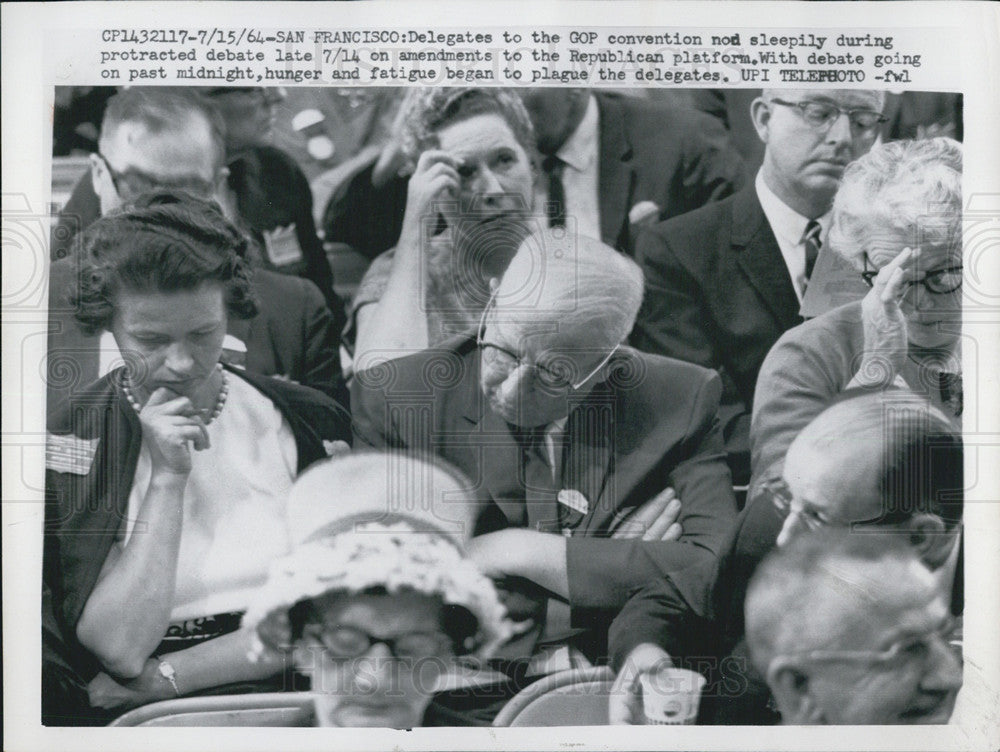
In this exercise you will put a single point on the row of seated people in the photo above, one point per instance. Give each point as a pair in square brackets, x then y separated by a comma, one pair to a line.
[596, 469]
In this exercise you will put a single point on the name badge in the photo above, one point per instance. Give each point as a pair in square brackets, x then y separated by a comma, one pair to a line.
[282, 246]
[574, 500]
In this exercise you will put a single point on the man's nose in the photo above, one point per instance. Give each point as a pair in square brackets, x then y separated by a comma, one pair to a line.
[944, 672]
[793, 523]
[840, 131]
[518, 384]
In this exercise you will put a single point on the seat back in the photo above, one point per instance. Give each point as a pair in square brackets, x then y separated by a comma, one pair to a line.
[265, 709]
[578, 697]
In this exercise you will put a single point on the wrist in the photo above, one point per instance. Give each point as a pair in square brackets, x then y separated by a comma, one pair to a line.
[166, 676]
[164, 479]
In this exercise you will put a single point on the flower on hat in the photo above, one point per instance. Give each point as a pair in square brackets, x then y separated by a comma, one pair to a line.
[391, 556]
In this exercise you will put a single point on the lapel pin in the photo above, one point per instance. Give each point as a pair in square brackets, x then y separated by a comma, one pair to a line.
[574, 500]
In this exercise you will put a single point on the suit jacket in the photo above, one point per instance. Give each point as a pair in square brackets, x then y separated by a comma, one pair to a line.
[676, 157]
[718, 294]
[805, 371]
[707, 621]
[292, 336]
[651, 425]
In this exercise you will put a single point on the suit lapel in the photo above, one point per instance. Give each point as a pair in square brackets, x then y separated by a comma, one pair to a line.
[759, 257]
[589, 456]
[615, 174]
[499, 455]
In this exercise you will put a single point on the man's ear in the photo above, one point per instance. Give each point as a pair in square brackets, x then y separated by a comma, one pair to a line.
[760, 114]
[927, 536]
[790, 687]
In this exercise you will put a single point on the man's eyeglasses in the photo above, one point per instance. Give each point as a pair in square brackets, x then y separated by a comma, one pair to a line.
[255, 95]
[131, 183]
[345, 643]
[814, 519]
[822, 115]
[781, 497]
[556, 375]
[909, 648]
[937, 282]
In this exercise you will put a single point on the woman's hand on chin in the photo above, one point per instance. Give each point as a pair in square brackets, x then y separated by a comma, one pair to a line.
[169, 423]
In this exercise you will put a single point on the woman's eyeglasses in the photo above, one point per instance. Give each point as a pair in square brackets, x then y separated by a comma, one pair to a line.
[937, 282]
[345, 643]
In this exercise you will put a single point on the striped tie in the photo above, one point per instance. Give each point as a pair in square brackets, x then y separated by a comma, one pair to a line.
[812, 243]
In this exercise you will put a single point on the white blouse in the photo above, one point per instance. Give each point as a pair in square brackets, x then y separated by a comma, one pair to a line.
[235, 505]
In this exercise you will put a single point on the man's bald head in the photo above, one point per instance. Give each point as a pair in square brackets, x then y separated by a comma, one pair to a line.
[157, 138]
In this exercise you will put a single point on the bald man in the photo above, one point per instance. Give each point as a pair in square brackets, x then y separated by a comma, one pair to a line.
[596, 467]
[900, 475]
[852, 629]
[725, 281]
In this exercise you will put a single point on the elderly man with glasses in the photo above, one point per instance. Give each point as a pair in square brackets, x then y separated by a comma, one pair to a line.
[851, 629]
[596, 467]
[897, 220]
[724, 282]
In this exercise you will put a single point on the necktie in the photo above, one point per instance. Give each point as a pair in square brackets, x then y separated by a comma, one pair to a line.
[950, 386]
[539, 488]
[812, 243]
[555, 208]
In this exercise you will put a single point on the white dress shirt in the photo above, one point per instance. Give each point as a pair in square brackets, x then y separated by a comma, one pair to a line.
[580, 177]
[789, 227]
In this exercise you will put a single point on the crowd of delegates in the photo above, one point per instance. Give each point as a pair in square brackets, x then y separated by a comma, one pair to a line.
[587, 333]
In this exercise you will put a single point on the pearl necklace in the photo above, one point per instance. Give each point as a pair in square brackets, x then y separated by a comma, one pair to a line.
[223, 394]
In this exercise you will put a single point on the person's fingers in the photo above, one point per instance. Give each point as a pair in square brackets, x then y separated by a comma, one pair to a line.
[674, 532]
[886, 272]
[177, 405]
[647, 513]
[160, 396]
[661, 524]
[432, 157]
[192, 433]
[623, 698]
[204, 442]
[894, 288]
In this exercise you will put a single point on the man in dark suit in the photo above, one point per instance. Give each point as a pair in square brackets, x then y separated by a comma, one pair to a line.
[625, 162]
[595, 467]
[725, 281]
[165, 139]
[622, 161]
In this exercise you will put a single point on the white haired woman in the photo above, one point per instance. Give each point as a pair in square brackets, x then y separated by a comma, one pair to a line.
[897, 219]
[378, 602]
[473, 151]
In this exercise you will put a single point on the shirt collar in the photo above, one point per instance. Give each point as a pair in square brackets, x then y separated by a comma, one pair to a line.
[580, 149]
[787, 224]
